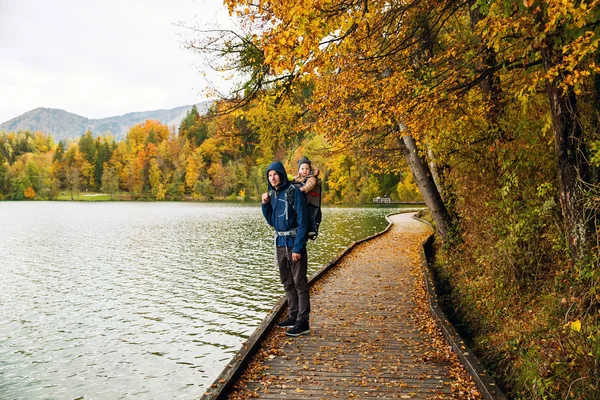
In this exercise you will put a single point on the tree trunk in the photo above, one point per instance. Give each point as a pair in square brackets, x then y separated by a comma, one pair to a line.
[571, 165]
[427, 187]
[433, 168]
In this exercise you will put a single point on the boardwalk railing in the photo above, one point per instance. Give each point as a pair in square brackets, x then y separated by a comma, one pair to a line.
[382, 200]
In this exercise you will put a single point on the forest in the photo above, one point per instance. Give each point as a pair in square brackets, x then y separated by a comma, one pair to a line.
[211, 157]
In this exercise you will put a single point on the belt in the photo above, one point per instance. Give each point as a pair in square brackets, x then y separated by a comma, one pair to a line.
[287, 233]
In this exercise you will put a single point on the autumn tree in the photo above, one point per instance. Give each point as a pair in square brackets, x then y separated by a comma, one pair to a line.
[3, 172]
[193, 127]
[104, 148]
[157, 187]
[110, 179]
[73, 164]
[29, 193]
[87, 147]
[345, 43]
[59, 151]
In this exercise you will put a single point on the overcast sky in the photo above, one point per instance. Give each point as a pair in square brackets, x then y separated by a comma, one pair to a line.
[100, 58]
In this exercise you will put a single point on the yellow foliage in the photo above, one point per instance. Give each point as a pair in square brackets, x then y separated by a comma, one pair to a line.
[139, 134]
[29, 193]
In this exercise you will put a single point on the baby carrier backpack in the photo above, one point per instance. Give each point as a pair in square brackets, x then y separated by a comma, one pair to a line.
[313, 202]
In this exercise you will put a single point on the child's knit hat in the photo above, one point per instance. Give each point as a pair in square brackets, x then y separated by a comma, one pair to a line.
[303, 160]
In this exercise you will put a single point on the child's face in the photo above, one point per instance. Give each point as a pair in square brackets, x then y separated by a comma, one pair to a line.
[304, 169]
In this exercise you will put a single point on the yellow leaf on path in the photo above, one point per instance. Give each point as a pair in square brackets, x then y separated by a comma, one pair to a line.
[576, 325]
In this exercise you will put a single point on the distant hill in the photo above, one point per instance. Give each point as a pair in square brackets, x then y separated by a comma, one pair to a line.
[61, 124]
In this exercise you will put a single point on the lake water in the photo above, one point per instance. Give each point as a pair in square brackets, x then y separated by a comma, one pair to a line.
[124, 300]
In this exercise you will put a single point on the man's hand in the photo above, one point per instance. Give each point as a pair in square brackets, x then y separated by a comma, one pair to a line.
[296, 256]
[265, 198]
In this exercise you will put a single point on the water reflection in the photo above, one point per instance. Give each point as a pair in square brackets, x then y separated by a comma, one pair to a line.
[139, 300]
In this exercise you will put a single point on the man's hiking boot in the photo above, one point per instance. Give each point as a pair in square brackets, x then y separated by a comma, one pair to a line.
[300, 328]
[289, 322]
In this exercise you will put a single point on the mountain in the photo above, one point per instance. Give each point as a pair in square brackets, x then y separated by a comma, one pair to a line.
[61, 124]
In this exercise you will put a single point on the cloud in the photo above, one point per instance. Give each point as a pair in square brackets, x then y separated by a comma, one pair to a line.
[99, 58]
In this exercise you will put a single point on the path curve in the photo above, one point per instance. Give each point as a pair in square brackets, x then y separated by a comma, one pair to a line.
[372, 335]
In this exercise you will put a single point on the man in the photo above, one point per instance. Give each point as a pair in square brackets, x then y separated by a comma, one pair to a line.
[284, 208]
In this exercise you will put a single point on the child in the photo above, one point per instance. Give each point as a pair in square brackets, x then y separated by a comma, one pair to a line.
[311, 186]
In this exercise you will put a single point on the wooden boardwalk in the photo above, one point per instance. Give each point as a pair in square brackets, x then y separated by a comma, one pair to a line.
[372, 335]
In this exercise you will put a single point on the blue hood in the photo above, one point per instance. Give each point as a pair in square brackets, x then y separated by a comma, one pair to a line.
[280, 169]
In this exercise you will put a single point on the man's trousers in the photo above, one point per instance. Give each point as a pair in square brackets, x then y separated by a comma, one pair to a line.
[295, 282]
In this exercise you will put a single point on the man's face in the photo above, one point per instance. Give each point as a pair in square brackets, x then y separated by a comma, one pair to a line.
[274, 179]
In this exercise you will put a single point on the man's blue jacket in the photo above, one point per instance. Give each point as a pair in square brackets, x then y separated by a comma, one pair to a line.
[282, 216]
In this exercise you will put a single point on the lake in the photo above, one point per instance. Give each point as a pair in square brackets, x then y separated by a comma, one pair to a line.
[124, 300]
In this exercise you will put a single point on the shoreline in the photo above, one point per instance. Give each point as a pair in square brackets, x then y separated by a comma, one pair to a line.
[100, 198]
